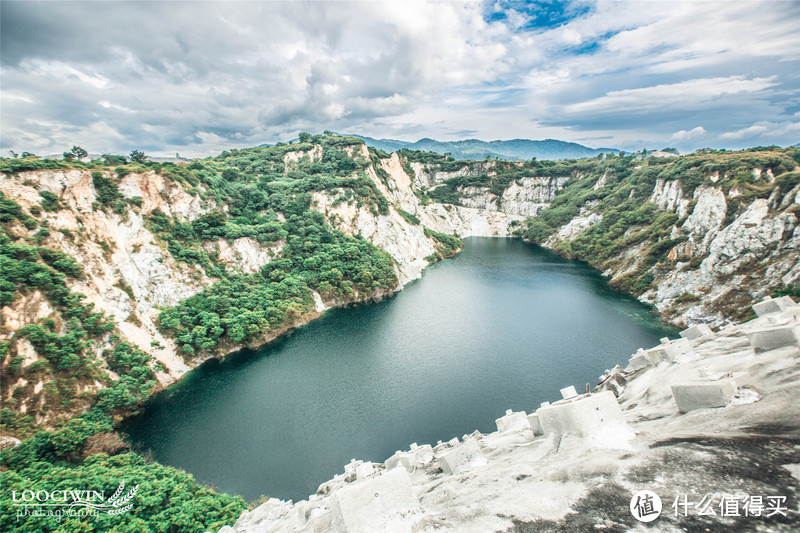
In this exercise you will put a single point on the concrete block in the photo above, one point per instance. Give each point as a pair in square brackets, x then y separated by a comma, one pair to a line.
[773, 338]
[536, 426]
[383, 503]
[461, 458]
[512, 421]
[703, 395]
[769, 306]
[568, 392]
[544, 404]
[582, 417]
[695, 332]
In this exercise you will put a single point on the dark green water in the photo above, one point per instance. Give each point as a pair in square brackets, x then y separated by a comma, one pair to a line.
[504, 325]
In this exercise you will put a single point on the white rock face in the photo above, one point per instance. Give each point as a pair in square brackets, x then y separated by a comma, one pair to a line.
[245, 254]
[482, 214]
[668, 195]
[753, 236]
[528, 196]
[585, 220]
[468, 221]
[426, 175]
[478, 198]
[133, 262]
[706, 218]
[758, 250]
[291, 159]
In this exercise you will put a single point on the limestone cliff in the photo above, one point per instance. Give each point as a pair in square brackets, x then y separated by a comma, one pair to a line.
[699, 244]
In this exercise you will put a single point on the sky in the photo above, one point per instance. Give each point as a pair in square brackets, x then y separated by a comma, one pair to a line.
[197, 78]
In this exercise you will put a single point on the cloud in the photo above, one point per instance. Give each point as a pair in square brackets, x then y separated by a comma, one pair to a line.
[235, 74]
[762, 129]
[691, 93]
[751, 131]
[684, 135]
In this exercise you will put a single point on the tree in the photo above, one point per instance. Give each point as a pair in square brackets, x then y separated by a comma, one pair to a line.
[77, 152]
[110, 159]
[138, 157]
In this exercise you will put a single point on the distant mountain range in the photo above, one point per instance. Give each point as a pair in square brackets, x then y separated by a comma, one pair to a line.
[516, 149]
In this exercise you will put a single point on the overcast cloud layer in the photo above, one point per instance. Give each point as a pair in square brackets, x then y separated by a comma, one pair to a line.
[200, 77]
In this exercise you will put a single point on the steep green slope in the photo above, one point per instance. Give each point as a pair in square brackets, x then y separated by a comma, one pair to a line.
[642, 224]
[93, 377]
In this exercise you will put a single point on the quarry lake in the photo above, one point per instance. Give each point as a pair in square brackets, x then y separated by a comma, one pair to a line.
[503, 325]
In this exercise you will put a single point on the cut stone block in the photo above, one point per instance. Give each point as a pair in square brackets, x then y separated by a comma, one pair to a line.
[669, 351]
[695, 332]
[533, 422]
[461, 458]
[410, 460]
[512, 421]
[743, 379]
[703, 395]
[365, 470]
[639, 361]
[768, 305]
[383, 503]
[269, 511]
[568, 392]
[350, 468]
[581, 417]
[659, 354]
[773, 338]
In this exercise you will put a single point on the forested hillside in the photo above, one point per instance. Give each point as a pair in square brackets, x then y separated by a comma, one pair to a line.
[701, 236]
[179, 263]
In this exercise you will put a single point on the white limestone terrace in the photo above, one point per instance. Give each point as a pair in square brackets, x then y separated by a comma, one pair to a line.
[708, 414]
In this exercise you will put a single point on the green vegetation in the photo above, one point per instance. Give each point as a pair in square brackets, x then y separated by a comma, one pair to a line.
[446, 245]
[138, 156]
[50, 202]
[66, 348]
[76, 152]
[167, 500]
[411, 219]
[792, 290]
[443, 162]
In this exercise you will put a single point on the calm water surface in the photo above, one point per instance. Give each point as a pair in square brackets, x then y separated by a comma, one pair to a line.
[504, 325]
